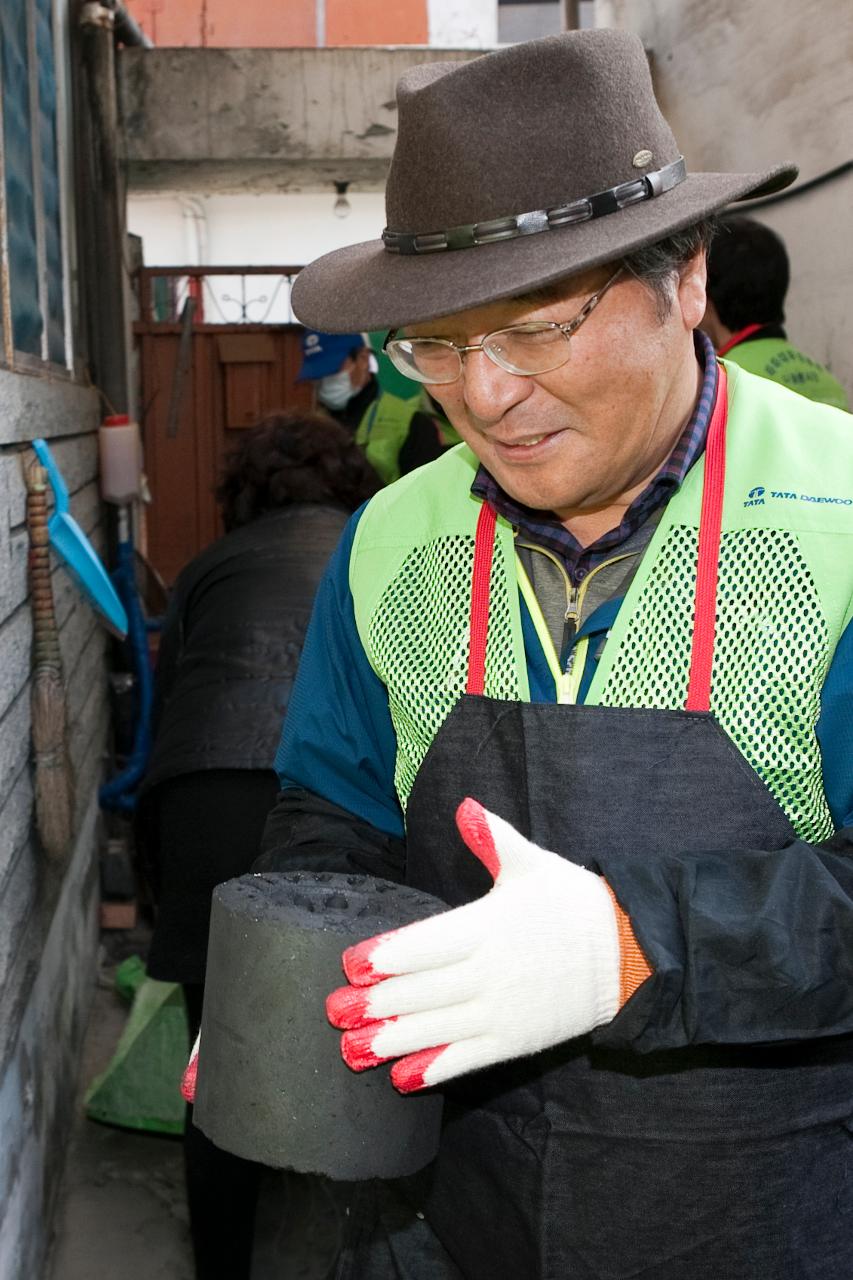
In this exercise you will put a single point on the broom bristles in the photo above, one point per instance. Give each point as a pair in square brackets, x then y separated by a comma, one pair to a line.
[54, 809]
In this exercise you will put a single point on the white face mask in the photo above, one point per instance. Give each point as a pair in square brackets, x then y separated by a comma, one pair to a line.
[335, 390]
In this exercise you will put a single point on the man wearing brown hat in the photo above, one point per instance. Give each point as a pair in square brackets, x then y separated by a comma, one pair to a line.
[589, 679]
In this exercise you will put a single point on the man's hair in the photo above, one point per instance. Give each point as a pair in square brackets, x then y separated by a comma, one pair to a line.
[293, 457]
[748, 274]
[656, 266]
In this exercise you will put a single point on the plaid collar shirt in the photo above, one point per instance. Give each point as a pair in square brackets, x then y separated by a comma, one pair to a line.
[543, 527]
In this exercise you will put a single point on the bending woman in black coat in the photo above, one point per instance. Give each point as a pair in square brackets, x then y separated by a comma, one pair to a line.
[228, 656]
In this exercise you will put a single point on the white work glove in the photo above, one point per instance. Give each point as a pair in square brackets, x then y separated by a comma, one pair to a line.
[533, 963]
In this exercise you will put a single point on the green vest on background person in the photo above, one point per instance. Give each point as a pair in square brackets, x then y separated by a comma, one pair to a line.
[386, 427]
[397, 434]
[748, 278]
[382, 432]
[775, 358]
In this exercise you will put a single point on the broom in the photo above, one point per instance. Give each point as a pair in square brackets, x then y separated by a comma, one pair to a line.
[54, 798]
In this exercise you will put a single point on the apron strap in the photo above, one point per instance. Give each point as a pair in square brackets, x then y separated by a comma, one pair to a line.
[707, 567]
[478, 631]
[705, 607]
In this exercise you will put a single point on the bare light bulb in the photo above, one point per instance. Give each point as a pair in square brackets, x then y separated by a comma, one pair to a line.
[342, 207]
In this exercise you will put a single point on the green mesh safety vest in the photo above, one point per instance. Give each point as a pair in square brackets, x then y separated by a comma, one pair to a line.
[785, 595]
[382, 432]
[775, 358]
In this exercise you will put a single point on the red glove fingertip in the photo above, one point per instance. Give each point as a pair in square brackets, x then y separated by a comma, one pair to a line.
[188, 1081]
[408, 1075]
[473, 824]
[346, 1008]
[358, 964]
[357, 1048]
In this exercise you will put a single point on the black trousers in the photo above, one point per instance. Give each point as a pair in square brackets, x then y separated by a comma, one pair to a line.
[208, 827]
[205, 827]
[222, 1190]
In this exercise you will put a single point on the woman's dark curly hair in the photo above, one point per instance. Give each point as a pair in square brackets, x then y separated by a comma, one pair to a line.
[293, 457]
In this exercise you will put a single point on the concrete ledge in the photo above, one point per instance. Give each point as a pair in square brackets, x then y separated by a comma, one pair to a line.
[263, 119]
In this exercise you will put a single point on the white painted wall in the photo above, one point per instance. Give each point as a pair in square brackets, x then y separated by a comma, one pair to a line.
[746, 84]
[250, 230]
[463, 24]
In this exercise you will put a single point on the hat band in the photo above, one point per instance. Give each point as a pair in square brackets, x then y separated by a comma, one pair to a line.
[530, 224]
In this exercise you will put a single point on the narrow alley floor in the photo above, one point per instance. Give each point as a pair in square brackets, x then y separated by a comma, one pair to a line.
[122, 1212]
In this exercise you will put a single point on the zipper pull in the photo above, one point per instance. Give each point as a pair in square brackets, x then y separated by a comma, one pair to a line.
[572, 616]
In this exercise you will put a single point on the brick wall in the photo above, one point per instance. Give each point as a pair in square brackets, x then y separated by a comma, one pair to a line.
[48, 931]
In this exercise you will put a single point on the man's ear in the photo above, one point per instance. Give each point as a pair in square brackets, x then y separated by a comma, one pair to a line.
[713, 327]
[691, 294]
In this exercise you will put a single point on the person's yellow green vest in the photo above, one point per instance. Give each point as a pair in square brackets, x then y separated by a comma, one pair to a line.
[785, 597]
[776, 359]
[384, 427]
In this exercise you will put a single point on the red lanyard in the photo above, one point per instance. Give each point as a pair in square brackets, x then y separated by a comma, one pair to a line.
[705, 608]
[740, 336]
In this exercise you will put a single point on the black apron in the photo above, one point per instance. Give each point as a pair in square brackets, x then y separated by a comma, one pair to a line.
[584, 1163]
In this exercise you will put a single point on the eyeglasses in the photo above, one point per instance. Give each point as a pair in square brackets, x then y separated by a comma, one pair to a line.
[525, 349]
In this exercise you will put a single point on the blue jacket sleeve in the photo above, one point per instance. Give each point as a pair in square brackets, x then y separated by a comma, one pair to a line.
[835, 732]
[338, 741]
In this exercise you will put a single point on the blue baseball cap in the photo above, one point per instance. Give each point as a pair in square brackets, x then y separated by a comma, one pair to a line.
[324, 353]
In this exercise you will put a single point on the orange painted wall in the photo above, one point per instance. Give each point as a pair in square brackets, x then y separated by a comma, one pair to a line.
[376, 22]
[229, 24]
[280, 24]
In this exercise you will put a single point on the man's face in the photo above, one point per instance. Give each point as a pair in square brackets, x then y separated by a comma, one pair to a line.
[358, 368]
[579, 438]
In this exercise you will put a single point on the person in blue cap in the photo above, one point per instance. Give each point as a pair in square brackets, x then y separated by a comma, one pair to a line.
[396, 435]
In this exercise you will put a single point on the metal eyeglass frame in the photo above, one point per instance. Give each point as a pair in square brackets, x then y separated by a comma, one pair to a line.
[567, 330]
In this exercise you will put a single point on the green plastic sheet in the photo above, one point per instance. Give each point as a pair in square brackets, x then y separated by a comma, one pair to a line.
[140, 1089]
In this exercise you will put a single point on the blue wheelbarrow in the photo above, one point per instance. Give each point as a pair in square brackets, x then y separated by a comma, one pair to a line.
[77, 553]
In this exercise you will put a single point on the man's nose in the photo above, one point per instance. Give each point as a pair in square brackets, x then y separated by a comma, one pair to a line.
[489, 391]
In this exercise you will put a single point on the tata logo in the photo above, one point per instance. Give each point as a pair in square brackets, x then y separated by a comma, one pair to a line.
[755, 497]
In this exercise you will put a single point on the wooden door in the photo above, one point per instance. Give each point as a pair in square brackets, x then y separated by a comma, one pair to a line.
[195, 400]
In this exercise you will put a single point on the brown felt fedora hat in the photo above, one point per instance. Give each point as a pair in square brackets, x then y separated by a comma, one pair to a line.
[512, 171]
